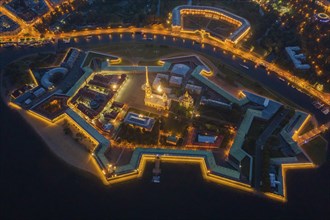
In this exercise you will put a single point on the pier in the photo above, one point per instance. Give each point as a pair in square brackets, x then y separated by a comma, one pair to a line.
[156, 170]
[305, 138]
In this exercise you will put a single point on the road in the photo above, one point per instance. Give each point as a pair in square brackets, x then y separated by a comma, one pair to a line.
[198, 36]
[259, 74]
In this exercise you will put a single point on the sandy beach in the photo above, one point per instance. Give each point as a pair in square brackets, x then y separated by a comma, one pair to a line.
[63, 146]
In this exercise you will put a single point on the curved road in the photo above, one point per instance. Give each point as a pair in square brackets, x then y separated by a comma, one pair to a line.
[259, 74]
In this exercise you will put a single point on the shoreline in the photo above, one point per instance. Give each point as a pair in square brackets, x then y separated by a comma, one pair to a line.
[51, 146]
[73, 154]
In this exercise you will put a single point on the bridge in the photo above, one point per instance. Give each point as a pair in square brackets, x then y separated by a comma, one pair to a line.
[306, 137]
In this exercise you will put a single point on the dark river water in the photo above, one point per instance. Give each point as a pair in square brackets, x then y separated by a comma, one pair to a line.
[37, 185]
[34, 184]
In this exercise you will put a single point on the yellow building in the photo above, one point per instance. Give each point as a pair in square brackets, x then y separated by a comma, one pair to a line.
[186, 100]
[160, 102]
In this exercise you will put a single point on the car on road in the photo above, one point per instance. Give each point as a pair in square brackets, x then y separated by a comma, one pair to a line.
[66, 40]
[244, 66]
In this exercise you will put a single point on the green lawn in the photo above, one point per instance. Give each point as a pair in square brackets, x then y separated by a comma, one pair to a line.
[149, 53]
[317, 150]
[175, 126]
[231, 116]
[92, 55]
[133, 50]
[16, 74]
[148, 63]
[137, 135]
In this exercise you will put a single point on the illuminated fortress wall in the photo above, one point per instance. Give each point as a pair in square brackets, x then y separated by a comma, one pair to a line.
[243, 26]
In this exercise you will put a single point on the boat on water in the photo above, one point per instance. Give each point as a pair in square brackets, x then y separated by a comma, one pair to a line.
[156, 171]
[155, 179]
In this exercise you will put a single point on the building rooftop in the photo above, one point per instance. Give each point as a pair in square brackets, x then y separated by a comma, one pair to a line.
[47, 77]
[172, 139]
[270, 106]
[197, 74]
[139, 120]
[208, 157]
[234, 37]
[177, 80]
[206, 139]
[80, 81]
[87, 127]
[297, 58]
[180, 69]
[292, 127]
[128, 69]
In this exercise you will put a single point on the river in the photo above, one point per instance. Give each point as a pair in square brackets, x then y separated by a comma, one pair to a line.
[37, 185]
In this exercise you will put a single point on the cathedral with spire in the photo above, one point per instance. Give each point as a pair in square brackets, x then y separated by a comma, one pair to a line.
[160, 102]
[186, 100]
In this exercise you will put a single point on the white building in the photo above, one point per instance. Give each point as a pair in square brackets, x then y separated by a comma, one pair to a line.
[153, 100]
[193, 89]
[157, 81]
[180, 69]
[175, 81]
[296, 58]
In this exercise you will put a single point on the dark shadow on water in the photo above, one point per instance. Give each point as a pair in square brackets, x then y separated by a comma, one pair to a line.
[37, 185]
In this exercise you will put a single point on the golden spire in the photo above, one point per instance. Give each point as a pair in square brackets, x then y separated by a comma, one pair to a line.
[164, 97]
[147, 77]
[148, 92]
[186, 100]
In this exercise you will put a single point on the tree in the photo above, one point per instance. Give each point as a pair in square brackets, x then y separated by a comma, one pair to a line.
[80, 136]
[67, 131]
